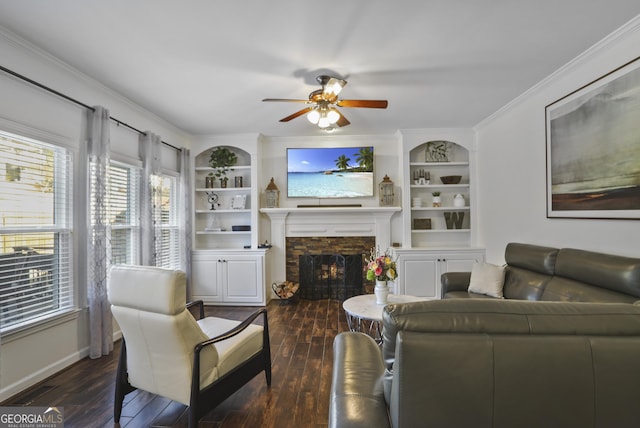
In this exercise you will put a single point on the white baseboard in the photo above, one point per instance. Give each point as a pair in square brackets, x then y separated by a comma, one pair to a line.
[46, 372]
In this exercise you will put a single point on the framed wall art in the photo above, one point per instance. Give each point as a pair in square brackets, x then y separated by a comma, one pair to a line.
[593, 148]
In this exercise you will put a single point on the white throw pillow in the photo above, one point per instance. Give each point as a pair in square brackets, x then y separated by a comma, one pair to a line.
[487, 279]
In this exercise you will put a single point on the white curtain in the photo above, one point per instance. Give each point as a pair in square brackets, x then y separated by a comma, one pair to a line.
[100, 323]
[184, 205]
[150, 222]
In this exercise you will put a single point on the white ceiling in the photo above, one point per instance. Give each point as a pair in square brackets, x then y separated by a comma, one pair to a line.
[205, 65]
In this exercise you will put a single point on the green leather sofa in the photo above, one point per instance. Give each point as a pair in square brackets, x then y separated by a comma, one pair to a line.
[550, 274]
[561, 350]
[490, 363]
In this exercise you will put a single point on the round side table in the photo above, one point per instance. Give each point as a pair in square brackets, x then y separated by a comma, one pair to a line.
[365, 315]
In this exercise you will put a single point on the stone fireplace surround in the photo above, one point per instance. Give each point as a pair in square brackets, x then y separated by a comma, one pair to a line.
[332, 227]
[297, 246]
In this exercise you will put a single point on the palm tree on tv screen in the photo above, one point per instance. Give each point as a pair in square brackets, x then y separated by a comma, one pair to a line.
[342, 162]
[365, 158]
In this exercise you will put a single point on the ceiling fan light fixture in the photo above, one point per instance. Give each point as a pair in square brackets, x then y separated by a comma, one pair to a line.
[335, 85]
[324, 122]
[313, 116]
[333, 116]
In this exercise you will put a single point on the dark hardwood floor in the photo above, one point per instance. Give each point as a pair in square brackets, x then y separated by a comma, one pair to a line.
[301, 335]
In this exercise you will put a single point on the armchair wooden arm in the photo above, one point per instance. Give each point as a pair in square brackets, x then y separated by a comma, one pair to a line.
[230, 382]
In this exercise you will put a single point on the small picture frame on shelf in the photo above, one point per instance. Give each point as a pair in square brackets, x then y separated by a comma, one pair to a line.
[239, 202]
[422, 223]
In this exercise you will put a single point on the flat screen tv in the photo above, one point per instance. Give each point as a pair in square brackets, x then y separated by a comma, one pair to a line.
[341, 172]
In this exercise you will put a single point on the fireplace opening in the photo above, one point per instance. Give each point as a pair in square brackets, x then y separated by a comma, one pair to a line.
[330, 276]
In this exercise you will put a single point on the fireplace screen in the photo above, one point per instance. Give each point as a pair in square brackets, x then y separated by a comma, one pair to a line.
[330, 276]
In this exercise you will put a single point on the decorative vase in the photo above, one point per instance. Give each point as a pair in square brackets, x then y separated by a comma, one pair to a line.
[437, 201]
[381, 291]
[208, 182]
[458, 201]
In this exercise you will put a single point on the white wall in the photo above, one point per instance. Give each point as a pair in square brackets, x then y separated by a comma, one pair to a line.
[32, 356]
[511, 163]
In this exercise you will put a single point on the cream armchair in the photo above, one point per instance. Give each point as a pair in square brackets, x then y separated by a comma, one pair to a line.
[168, 353]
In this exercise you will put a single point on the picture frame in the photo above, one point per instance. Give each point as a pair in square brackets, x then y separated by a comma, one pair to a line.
[239, 202]
[422, 223]
[593, 148]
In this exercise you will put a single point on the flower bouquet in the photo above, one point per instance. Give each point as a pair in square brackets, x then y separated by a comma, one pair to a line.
[381, 266]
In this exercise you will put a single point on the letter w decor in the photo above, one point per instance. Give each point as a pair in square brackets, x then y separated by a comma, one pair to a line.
[454, 219]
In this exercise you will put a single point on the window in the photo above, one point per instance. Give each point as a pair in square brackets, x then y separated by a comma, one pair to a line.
[35, 231]
[123, 230]
[165, 190]
[123, 204]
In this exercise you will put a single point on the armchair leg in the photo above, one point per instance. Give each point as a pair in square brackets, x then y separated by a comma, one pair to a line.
[122, 383]
[266, 344]
[120, 374]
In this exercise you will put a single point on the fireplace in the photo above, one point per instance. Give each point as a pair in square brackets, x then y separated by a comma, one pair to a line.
[330, 276]
[325, 230]
[312, 260]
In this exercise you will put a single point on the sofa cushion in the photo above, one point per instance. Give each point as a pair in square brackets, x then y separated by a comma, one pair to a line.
[616, 273]
[487, 278]
[531, 257]
[569, 290]
[523, 284]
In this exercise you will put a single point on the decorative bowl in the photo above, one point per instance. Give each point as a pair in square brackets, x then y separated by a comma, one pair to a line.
[451, 179]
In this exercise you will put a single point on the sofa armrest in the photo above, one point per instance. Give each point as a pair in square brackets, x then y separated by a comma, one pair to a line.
[357, 397]
[455, 281]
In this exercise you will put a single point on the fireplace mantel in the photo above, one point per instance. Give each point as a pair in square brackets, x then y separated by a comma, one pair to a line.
[331, 221]
[326, 221]
[330, 209]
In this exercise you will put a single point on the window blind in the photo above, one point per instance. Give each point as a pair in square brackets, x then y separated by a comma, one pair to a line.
[168, 247]
[35, 231]
[124, 213]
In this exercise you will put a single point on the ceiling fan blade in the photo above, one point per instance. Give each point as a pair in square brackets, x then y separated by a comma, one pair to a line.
[296, 114]
[342, 121]
[363, 103]
[285, 100]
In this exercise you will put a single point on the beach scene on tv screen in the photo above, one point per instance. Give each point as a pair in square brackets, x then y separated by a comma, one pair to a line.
[345, 172]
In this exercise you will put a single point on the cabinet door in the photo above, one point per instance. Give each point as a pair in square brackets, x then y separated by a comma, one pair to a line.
[419, 276]
[462, 262]
[242, 281]
[205, 279]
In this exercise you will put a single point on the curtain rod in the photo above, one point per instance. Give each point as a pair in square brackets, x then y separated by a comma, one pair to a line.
[80, 103]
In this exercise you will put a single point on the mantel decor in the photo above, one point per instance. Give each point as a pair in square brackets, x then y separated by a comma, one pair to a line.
[593, 148]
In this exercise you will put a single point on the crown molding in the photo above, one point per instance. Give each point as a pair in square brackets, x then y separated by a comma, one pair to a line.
[40, 54]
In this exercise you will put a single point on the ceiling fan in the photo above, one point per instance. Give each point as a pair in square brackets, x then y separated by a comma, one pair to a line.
[323, 103]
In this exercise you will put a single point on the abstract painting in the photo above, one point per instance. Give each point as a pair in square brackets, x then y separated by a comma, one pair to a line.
[593, 148]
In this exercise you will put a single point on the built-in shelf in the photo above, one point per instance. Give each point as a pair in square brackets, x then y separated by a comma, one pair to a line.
[223, 232]
[222, 211]
[439, 230]
[223, 189]
[235, 168]
[440, 208]
[440, 186]
[435, 164]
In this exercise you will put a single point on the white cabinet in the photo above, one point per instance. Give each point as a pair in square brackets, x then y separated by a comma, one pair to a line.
[229, 277]
[419, 270]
